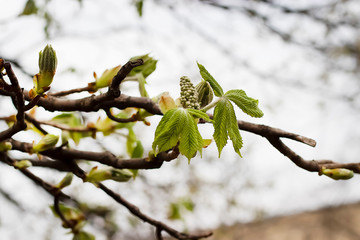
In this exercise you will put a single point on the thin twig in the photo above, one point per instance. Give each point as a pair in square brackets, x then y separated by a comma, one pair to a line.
[120, 120]
[159, 225]
[71, 91]
[18, 100]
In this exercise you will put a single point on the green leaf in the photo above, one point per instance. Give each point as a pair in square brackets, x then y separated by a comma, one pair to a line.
[247, 104]
[168, 131]
[218, 91]
[174, 211]
[225, 125]
[71, 120]
[199, 114]
[138, 151]
[178, 125]
[141, 79]
[220, 121]
[233, 129]
[139, 6]
[190, 138]
[30, 8]
[147, 68]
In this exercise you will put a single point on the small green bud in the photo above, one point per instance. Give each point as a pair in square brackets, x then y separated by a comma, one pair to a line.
[66, 181]
[72, 215]
[47, 69]
[5, 146]
[98, 175]
[106, 77]
[47, 60]
[47, 142]
[166, 102]
[205, 93]
[338, 173]
[22, 164]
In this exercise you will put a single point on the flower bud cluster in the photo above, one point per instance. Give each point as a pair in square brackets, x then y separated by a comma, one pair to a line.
[189, 98]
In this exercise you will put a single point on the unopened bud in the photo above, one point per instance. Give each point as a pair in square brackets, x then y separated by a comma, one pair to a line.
[205, 93]
[47, 69]
[338, 173]
[66, 181]
[98, 175]
[47, 142]
[22, 164]
[5, 146]
[166, 102]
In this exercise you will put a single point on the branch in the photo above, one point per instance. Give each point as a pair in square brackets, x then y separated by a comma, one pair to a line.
[18, 100]
[133, 118]
[106, 158]
[71, 91]
[309, 165]
[95, 103]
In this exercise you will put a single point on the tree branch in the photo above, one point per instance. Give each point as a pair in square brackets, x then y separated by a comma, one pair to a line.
[18, 100]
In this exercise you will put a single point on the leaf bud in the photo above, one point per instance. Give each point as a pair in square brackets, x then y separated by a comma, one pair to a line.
[66, 181]
[47, 142]
[22, 164]
[166, 102]
[5, 146]
[98, 175]
[106, 77]
[338, 173]
[47, 69]
[204, 92]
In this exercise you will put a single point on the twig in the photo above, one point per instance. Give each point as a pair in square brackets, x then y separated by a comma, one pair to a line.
[35, 123]
[71, 91]
[159, 225]
[18, 100]
[114, 90]
[309, 165]
[120, 120]
[106, 158]
[32, 103]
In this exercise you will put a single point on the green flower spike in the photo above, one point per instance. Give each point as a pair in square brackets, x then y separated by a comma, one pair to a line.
[47, 66]
[189, 97]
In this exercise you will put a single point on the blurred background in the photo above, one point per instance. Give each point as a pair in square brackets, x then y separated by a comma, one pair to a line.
[301, 59]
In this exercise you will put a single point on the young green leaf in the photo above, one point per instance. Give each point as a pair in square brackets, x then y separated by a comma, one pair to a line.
[178, 126]
[218, 91]
[199, 114]
[147, 68]
[225, 125]
[220, 121]
[247, 104]
[190, 138]
[233, 129]
[168, 131]
[71, 120]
